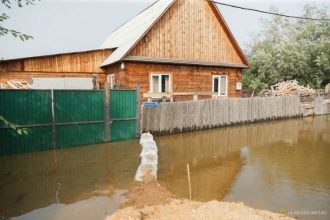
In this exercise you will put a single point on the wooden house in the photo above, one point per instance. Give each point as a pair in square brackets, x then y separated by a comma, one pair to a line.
[75, 65]
[180, 49]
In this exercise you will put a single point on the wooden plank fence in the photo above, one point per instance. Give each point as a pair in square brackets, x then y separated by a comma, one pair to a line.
[179, 117]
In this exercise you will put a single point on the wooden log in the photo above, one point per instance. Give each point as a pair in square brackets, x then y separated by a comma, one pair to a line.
[189, 182]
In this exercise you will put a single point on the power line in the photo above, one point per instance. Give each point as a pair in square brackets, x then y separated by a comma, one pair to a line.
[268, 12]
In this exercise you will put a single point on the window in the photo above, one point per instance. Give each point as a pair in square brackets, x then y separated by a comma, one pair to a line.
[160, 83]
[220, 85]
[111, 80]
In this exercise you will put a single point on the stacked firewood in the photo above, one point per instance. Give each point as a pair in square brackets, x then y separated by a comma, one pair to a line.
[288, 88]
[15, 84]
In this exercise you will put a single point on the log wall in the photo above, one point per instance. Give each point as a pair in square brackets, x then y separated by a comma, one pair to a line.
[187, 116]
[183, 78]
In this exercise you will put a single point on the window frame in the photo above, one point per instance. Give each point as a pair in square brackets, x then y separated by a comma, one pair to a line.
[219, 85]
[151, 85]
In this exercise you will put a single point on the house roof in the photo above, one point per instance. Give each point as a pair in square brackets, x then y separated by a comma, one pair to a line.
[52, 55]
[128, 35]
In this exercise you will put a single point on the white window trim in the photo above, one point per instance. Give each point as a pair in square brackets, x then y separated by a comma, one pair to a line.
[160, 82]
[219, 85]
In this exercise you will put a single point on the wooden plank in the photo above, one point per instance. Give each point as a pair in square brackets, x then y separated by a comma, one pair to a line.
[196, 115]
[88, 61]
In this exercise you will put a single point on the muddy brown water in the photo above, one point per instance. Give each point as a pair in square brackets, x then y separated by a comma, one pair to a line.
[281, 166]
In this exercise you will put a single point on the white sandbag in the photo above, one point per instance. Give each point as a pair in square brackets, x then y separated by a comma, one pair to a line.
[149, 160]
[148, 152]
[139, 174]
[142, 170]
[146, 137]
[149, 157]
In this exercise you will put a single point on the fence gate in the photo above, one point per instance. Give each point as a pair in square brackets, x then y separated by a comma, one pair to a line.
[62, 118]
[123, 120]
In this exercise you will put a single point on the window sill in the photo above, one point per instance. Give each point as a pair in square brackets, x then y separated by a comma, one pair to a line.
[221, 96]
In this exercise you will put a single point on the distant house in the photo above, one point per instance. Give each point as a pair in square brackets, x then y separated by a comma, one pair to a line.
[180, 49]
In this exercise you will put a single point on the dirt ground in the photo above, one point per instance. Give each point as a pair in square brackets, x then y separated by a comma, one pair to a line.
[185, 209]
[149, 200]
[147, 193]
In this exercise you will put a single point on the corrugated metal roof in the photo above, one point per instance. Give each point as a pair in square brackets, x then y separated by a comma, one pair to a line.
[126, 36]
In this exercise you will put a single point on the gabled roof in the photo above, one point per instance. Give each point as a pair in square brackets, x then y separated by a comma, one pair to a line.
[231, 36]
[126, 36]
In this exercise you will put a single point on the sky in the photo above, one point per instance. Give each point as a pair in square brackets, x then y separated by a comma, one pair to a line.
[59, 26]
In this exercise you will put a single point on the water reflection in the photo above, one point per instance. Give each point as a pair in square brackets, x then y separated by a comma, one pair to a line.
[273, 165]
[210, 177]
[215, 156]
[37, 180]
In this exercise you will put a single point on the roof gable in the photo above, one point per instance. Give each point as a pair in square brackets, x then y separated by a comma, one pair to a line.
[230, 34]
[191, 30]
[126, 36]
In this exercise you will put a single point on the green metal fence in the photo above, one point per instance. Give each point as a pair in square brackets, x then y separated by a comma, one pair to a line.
[123, 114]
[79, 117]
[58, 119]
[30, 109]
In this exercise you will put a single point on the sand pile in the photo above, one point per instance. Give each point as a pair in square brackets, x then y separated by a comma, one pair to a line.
[185, 209]
[147, 193]
[149, 200]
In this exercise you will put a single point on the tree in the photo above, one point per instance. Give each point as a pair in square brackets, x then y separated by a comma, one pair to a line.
[286, 49]
[4, 31]
[3, 17]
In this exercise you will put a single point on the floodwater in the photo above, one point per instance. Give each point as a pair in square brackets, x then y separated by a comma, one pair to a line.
[75, 183]
[281, 166]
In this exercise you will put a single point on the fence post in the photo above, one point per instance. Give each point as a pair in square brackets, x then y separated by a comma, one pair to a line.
[138, 111]
[53, 117]
[107, 124]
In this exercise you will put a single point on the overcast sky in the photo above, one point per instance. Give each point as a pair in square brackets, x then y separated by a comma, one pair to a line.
[76, 25]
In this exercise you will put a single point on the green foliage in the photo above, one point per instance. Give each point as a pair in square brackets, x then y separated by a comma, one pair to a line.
[288, 49]
[3, 17]
[252, 82]
[20, 131]
[20, 3]
[5, 31]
